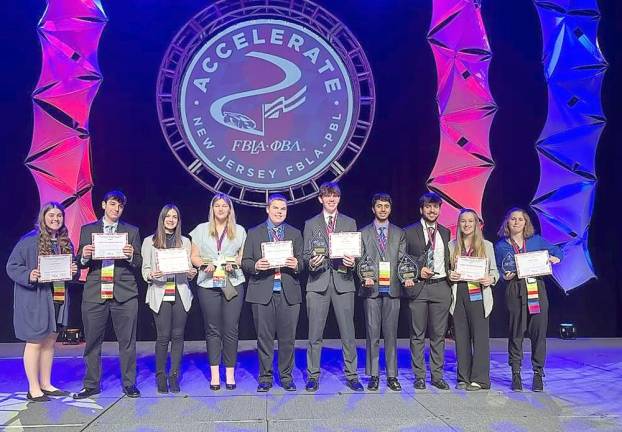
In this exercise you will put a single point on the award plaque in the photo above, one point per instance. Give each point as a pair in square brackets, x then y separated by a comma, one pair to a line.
[407, 269]
[319, 245]
[367, 268]
[508, 265]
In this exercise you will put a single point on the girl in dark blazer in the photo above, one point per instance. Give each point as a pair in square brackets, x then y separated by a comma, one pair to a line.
[518, 236]
[37, 316]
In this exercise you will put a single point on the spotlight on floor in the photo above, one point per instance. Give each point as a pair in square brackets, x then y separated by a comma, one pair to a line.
[567, 331]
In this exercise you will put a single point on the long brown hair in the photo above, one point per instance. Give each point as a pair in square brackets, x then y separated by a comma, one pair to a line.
[45, 236]
[504, 231]
[230, 224]
[477, 242]
[159, 238]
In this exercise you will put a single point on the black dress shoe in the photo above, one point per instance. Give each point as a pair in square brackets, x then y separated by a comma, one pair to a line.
[312, 385]
[42, 398]
[517, 382]
[420, 384]
[131, 391]
[161, 383]
[289, 386]
[230, 386]
[55, 392]
[214, 387]
[394, 384]
[440, 384]
[537, 384]
[355, 385]
[173, 382]
[373, 383]
[86, 393]
[264, 387]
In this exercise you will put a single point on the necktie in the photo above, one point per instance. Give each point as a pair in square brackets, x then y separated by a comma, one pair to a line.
[382, 241]
[330, 227]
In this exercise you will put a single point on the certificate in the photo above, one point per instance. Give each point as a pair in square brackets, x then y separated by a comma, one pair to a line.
[55, 268]
[344, 244]
[471, 268]
[277, 252]
[173, 260]
[109, 246]
[532, 264]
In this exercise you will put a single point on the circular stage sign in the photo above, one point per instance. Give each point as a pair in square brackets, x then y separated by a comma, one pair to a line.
[254, 100]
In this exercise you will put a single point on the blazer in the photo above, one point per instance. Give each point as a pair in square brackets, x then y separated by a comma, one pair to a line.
[155, 287]
[492, 272]
[260, 284]
[396, 248]
[416, 247]
[532, 244]
[125, 287]
[33, 307]
[319, 278]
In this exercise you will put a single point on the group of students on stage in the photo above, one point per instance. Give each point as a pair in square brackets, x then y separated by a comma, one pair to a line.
[230, 268]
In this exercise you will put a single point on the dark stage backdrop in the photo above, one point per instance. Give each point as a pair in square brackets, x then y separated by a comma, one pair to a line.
[130, 153]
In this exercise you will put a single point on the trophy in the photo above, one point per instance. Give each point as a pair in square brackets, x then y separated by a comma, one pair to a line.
[428, 257]
[367, 269]
[319, 246]
[407, 269]
[508, 265]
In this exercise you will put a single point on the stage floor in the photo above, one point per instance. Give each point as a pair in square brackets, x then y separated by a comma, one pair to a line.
[583, 392]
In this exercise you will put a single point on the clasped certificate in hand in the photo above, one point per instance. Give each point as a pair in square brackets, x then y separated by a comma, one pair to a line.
[109, 246]
[172, 261]
[531, 264]
[277, 252]
[471, 268]
[55, 268]
[344, 244]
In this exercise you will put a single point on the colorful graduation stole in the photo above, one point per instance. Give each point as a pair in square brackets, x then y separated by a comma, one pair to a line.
[533, 302]
[384, 276]
[277, 235]
[107, 279]
[169, 290]
[475, 290]
[58, 292]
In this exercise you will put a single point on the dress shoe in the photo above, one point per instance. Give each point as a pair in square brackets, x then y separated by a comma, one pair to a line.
[440, 384]
[394, 384]
[355, 385]
[312, 385]
[214, 387]
[373, 383]
[289, 386]
[131, 391]
[461, 385]
[264, 387]
[161, 383]
[173, 382]
[517, 382]
[230, 386]
[42, 398]
[537, 385]
[86, 393]
[420, 384]
[55, 392]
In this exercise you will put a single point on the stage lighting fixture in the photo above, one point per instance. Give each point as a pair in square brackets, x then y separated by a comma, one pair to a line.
[71, 336]
[567, 331]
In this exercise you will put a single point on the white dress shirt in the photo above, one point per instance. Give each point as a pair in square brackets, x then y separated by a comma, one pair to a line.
[439, 251]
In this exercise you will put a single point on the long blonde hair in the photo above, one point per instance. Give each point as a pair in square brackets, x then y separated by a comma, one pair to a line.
[230, 224]
[477, 242]
[45, 236]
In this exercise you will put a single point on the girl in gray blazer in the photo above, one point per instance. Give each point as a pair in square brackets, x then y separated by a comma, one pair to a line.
[168, 296]
[472, 303]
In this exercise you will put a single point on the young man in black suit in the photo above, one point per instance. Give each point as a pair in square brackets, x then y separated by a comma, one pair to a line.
[110, 290]
[275, 294]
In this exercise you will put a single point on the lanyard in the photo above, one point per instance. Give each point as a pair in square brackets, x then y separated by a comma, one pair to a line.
[516, 248]
[220, 239]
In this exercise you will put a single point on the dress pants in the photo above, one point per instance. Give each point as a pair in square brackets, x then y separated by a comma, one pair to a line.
[221, 318]
[472, 338]
[381, 312]
[95, 318]
[170, 324]
[520, 320]
[280, 319]
[429, 311]
[318, 304]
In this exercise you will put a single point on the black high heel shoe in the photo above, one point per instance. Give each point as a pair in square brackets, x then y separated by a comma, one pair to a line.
[230, 386]
[42, 398]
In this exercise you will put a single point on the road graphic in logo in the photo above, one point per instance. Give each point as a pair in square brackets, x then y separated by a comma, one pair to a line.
[265, 104]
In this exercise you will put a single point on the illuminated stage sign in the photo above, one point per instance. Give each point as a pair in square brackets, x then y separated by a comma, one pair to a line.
[254, 100]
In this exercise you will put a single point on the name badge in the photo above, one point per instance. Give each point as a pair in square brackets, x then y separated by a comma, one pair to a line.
[218, 278]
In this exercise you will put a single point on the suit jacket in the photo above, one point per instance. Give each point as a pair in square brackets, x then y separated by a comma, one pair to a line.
[416, 246]
[125, 287]
[396, 248]
[319, 278]
[260, 284]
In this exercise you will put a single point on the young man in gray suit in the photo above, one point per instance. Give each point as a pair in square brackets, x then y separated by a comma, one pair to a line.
[275, 294]
[384, 244]
[330, 281]
[429, 297]
[111, 292]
